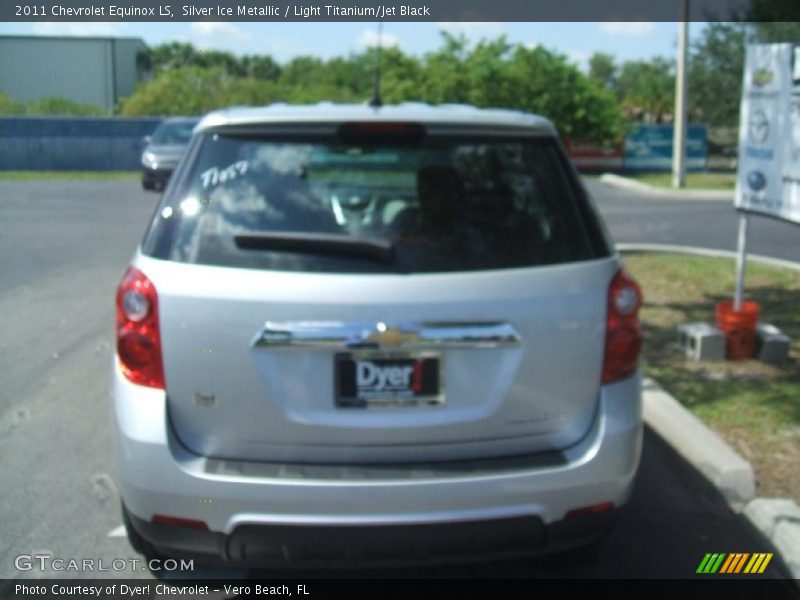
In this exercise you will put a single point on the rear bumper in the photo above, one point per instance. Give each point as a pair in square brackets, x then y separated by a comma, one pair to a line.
[258, 546]
[256, 513]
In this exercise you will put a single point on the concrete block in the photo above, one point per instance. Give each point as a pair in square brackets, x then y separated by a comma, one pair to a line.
[701, 341]
[772, 345]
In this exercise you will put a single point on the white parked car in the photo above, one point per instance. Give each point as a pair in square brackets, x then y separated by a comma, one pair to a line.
[374, 334]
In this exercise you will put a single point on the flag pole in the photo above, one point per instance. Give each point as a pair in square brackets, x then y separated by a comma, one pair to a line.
[741, 262]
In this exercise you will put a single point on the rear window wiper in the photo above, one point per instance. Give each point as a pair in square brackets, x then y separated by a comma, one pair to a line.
[318, 243]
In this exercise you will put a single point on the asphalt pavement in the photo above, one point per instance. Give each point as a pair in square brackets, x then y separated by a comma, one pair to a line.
[64, 247]
[690, 221]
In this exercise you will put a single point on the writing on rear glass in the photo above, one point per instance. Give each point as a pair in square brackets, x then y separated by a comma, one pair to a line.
[218, 175]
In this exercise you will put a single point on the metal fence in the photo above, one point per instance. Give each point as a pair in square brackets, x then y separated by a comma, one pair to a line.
[72, 144]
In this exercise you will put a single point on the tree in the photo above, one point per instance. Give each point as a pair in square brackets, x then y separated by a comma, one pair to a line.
[401, 76]
[603, 70]
[195, 90]
[260, 67]
[776, 32]
[166, 56]
[495, 73]
[444, 78]
[646, 89]
[218, 59]
[492, 73]
[303, 71]
[175, 55]
[307, 79]
[546, 83]
[716, 65]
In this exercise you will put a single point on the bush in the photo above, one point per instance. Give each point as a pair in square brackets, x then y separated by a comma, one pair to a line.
[51, 106]
[195, 91]
[10, 107]
[48, 107]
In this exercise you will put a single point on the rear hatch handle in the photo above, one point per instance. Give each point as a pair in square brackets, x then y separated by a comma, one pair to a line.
[380, 335]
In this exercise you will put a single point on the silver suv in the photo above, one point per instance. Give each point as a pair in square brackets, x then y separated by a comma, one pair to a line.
[380, 334]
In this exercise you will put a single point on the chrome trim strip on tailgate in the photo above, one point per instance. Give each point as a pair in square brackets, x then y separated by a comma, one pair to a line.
[549, 459]
[341, 335]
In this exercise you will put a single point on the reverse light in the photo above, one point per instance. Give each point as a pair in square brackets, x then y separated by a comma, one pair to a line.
[623, 335]
[135, 305]
[138, 336]
[626, 300]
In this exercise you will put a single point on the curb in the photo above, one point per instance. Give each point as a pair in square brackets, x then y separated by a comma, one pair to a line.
[778, 519]
[731, 474]
[710, 252]
[680, 194]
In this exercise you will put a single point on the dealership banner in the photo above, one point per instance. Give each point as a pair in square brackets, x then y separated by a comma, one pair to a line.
[590, 157]
[768, 179]
[649, 148]
[645, 148]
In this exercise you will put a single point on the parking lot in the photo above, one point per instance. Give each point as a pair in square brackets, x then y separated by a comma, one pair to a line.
[64, 246]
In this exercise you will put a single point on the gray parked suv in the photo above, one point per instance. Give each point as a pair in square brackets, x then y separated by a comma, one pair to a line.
[164, 149]
[385, 334]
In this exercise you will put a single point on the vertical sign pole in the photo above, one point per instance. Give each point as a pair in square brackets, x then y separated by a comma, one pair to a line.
[681, 88]
[741, 262]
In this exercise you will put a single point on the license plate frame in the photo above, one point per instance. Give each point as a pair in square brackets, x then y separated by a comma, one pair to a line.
[398, 391]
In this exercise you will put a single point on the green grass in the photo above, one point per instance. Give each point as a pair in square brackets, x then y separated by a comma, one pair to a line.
[754, 406]
[56, 175]
[698, 181]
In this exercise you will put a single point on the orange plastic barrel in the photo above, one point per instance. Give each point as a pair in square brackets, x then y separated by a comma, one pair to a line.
[739, 328]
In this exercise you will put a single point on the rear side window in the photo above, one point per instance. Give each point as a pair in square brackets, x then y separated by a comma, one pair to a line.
[433, 204]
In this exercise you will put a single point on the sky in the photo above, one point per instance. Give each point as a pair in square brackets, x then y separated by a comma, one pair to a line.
[626, 41]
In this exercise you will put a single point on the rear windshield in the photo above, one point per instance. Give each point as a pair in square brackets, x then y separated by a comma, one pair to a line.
[432, 204]
[173, 133]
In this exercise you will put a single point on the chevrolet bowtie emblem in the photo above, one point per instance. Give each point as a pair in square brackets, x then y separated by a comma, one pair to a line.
[390, 337]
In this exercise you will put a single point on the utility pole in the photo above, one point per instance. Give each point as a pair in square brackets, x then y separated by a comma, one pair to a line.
[681, 89]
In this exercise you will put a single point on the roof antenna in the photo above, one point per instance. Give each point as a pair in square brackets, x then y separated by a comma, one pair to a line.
[376, 101]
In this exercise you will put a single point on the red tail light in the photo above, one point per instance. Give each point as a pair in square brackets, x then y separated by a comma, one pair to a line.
[138, 337]
[623, 335]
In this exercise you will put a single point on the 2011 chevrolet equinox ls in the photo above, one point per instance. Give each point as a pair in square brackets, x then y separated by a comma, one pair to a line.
[381, 334]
